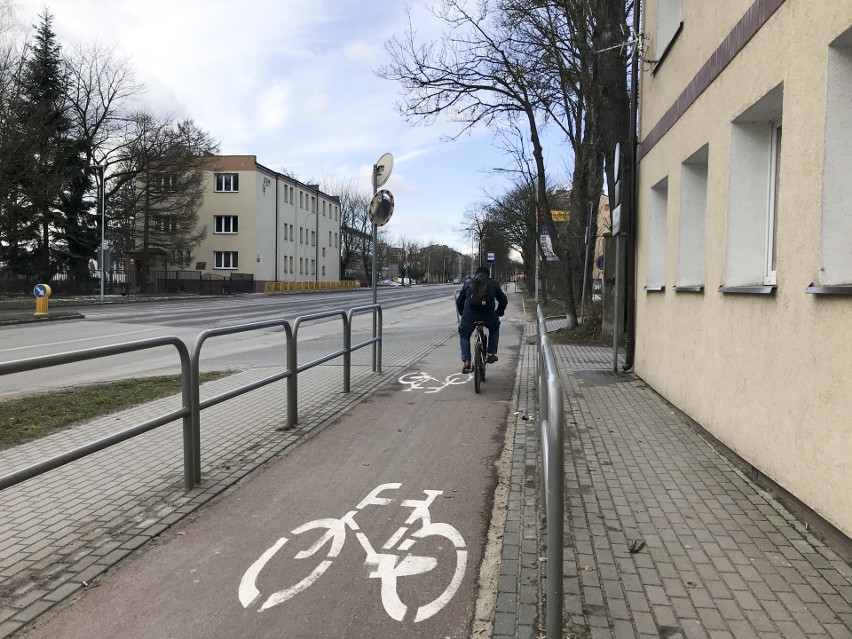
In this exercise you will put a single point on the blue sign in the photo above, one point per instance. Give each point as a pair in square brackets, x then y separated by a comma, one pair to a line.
[40, 290]
[600, 262]
[490, 257]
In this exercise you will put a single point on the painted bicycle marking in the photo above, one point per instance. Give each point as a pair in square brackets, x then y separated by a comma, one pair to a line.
[427, 383]
[392, 561]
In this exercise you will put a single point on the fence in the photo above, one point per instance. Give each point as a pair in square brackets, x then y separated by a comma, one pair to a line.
[190, 411]
[284, 287]
[120, 282]
[551, 418]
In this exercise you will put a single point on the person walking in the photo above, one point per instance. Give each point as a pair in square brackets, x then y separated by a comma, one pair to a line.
[476, 303]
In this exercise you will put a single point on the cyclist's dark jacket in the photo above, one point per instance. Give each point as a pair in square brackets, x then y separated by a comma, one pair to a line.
[486, 314]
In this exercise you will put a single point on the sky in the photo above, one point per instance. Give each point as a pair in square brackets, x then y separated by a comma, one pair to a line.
[293, 82]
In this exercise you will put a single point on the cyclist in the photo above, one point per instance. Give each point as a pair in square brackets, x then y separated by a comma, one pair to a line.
[487, 314]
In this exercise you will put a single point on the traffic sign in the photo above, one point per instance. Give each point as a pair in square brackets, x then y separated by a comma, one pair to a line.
[490, 257]
[600, 262]
[41, 290]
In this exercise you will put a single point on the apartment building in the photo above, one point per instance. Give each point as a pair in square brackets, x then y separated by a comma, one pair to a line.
[744, 233]
[266, 224]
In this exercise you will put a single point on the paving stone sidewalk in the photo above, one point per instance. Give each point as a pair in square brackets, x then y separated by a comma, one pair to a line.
[714, 556]
[61, 530]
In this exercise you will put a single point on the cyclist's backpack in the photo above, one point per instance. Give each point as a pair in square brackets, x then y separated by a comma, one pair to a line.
[477, 292]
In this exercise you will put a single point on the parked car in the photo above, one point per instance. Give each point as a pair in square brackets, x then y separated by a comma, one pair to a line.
[456, 281]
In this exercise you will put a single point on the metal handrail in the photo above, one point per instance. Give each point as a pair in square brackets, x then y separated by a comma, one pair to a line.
[551, 413]
[195, 360]
[192, 406]
[45, 361]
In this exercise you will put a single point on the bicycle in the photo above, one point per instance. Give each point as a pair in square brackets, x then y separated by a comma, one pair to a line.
[480, 345]
[394, 559]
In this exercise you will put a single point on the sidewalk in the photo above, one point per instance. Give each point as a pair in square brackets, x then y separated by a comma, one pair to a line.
[719, 558]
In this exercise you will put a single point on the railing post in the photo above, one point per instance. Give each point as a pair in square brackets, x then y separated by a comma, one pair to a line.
[378, 367]
[293, 367]
[192, 422]
[347, 346]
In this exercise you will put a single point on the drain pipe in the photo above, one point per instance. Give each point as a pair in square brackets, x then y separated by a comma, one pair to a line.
[630, 283]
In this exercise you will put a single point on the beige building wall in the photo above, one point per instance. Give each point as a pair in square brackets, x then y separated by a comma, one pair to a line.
[765, 370]
[275, 217]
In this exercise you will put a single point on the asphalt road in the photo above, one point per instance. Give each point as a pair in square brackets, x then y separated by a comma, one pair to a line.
[405, 480]
[118, 323]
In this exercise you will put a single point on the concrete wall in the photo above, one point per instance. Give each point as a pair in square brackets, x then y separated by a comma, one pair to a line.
[768, 375]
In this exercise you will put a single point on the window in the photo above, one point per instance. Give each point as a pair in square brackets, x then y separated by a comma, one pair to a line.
[225, 224]
[656, 279]
[693, 212]
[753, 193]
[772, 210]
[313, 267]
[301, 265]
[313, 203]
[323, 251]
[291, 264]
[164, 182]
[301, 235]
[835, 262]
[335, 239]
[227, 182]
[313, 238]
[329, 238]
[165, 223]
[301, 199]
[284, 262]
[292, 197]
[285, 231]
[323, 271]
[226, 259]
[669, 21]
[323, 208]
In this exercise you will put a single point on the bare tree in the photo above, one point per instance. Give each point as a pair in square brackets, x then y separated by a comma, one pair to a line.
[167, 161]
[355, 228]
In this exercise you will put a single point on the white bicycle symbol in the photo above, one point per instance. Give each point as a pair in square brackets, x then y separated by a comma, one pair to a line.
[425, 382]
[392, 562]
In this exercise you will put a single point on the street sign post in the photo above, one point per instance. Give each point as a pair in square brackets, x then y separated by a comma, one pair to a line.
[381, 172]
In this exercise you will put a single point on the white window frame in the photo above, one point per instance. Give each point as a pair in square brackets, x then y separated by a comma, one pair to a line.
[226, 182]
[692, 220]
[835, 259]
[771, 245]
[669, 21]
[751, 188]
[225, 224]
[226, 260]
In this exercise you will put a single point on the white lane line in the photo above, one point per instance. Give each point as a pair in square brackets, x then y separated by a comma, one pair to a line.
[74, 341]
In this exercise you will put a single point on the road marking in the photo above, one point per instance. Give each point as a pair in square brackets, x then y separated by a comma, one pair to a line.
[74, 341]
[393, 561]
[423, 381]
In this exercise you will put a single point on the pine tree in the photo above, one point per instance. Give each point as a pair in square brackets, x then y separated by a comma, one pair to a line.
[50, 161]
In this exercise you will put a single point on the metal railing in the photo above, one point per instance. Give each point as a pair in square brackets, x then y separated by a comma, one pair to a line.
[551, 419]
[192, 405]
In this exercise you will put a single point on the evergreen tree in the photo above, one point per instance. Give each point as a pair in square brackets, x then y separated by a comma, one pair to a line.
[49, 163]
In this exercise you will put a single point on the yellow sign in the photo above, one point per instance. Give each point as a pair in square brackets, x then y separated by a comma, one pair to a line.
[557, 216]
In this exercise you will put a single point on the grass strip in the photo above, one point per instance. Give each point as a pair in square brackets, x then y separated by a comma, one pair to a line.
[30, 417]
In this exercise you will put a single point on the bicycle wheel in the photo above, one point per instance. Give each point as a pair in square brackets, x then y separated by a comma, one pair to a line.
[478, 364]
[298, 549]
[392, 567]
